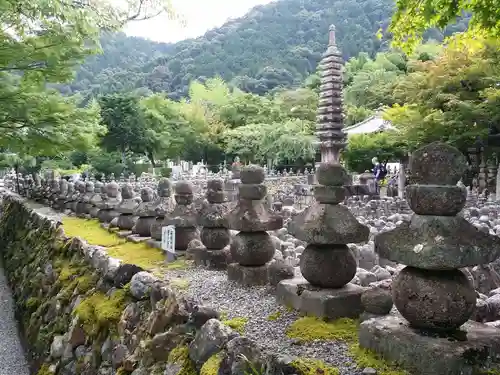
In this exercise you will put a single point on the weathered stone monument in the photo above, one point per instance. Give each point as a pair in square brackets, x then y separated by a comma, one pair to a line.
[252, 248]
[127, 207]
[162, 206]
[110, 201]
[327, 264]
[96, 199]
[214, 234]
[146, 214]
[435, 298]
[183, 217]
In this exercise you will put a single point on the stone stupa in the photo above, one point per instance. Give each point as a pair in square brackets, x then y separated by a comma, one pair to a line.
[327, 264]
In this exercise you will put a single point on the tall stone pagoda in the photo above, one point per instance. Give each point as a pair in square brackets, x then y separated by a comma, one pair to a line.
[327, 264]
[329, 119]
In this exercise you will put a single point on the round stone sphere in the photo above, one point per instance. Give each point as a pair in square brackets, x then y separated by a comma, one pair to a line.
[435, 300]
[252, 248]
[215, 238]
[328, 266]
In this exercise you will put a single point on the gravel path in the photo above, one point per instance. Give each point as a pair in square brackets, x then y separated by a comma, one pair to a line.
[12, 359]
[257, 304]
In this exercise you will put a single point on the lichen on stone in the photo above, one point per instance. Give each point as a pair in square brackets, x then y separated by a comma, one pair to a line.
[99, 311]
[238, 324]
[306, 366]
[211, 366]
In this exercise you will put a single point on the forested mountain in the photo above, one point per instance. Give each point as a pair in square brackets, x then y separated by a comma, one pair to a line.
[275, 45]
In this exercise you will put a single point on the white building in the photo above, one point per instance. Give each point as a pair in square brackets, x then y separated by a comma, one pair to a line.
[372, 124]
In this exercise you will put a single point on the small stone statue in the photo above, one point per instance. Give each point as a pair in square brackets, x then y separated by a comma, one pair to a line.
[146, 213]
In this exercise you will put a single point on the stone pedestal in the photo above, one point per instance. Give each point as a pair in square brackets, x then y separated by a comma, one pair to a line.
[299, 294]
[252, 248]
[471, 350]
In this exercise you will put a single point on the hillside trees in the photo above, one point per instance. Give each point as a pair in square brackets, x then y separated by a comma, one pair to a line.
[274, 46]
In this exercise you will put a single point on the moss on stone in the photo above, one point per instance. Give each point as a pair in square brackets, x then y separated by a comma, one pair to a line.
[211, 366]
[99, 311]
[180, 356]
[305, 366]
[311, 328]
[238, 324]
[32, 303]
[366, 358]
[66, 270]
[274, 316]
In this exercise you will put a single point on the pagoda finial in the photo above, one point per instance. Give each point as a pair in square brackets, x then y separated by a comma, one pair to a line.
[331, 37]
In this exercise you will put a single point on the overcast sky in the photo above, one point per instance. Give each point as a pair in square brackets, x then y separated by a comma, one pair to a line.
[200, 16]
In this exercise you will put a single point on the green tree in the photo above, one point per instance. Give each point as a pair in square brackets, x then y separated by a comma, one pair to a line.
[363, 147]
[413, 17]
[123, 118]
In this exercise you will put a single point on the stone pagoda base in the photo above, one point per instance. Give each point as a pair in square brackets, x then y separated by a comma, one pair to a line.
[248, 275]
[124, 233]
[472, 350]
[213, 259]
[326, 303]
[135, 238]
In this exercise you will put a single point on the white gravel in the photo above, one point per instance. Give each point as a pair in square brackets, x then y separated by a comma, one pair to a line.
[12, 359]
[212, 288]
